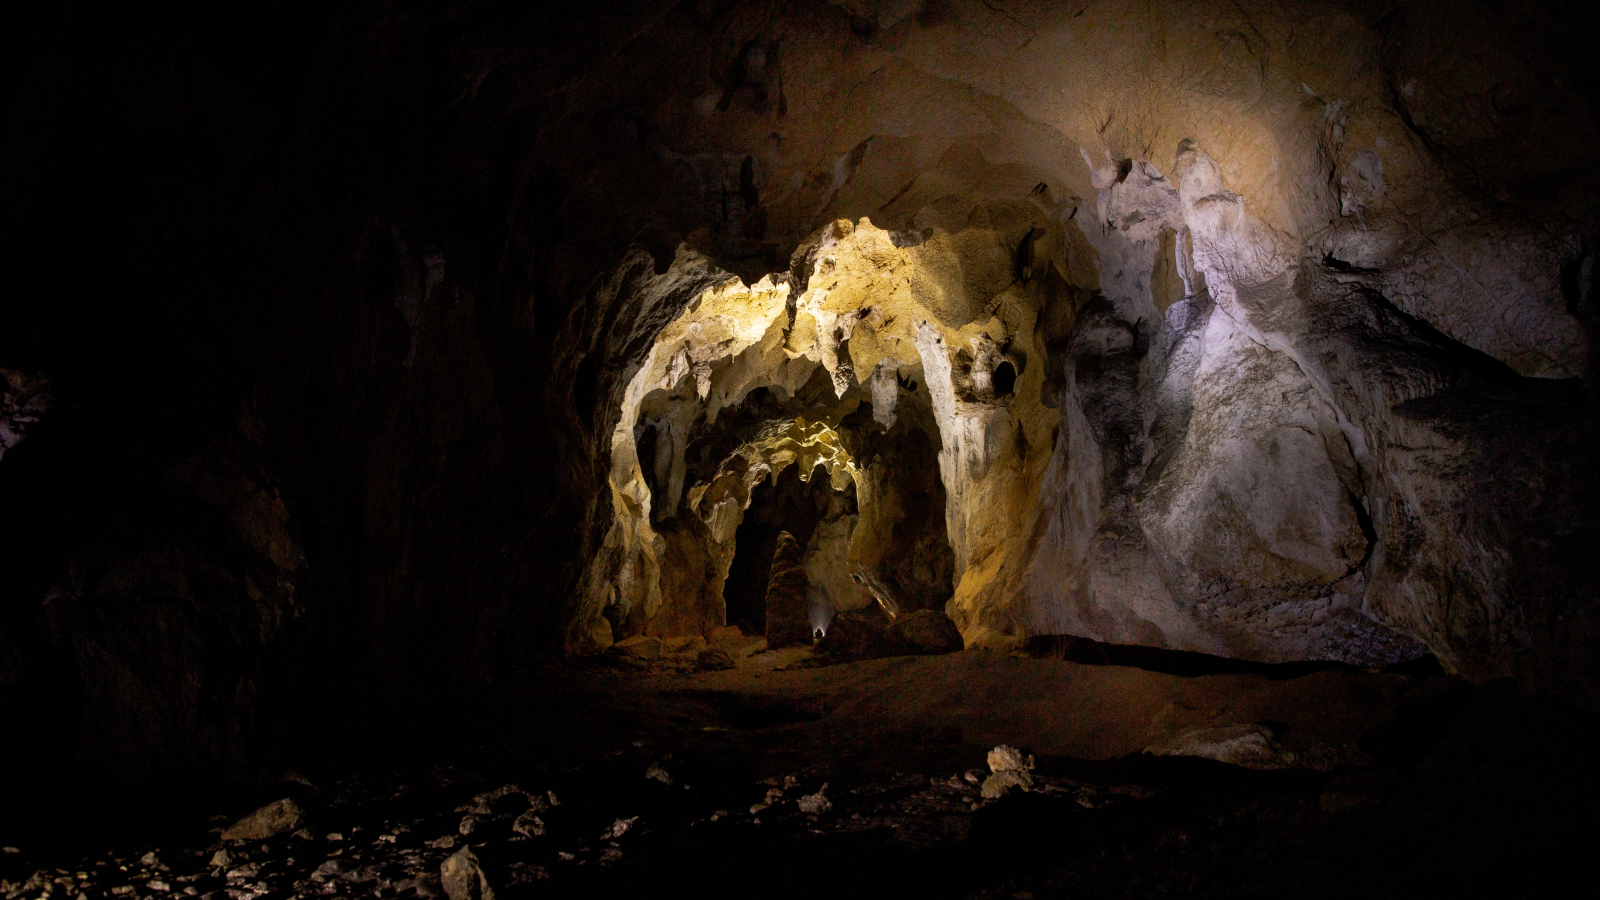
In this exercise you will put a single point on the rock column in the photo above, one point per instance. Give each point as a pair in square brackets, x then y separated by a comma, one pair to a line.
[787, 620]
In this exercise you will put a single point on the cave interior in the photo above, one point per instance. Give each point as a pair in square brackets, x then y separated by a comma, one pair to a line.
[957, 448]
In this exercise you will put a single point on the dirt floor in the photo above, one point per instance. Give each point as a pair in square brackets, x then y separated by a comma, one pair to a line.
[785, 777]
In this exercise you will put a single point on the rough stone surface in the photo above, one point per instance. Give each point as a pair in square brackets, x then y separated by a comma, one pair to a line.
[23, 400]
[1008, 769]
[929, 631]
[1248, 745]
[640, 647]
[463, 878]
[714, 659]
[854, 636]
[788, 619]
[277, 817]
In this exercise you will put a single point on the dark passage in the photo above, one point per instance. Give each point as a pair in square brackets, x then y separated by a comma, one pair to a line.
[793, 506]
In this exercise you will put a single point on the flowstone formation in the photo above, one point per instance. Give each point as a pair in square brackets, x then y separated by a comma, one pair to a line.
[1231, 333]
[1166, 425]
[849, 357]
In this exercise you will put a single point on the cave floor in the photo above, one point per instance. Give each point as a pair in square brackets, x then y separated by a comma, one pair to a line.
[1370, 784]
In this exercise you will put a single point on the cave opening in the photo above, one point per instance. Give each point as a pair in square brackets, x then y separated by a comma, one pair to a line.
[1005, 379]
[819, 518]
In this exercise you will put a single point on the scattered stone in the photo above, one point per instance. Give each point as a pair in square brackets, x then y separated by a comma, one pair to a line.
[305, 834]
[928, 631]
[335, 836]
[468, 825]
[10, 850]
[618, 828]
[463, 878]
[523, 873]
[221, 860]
[815, 804]
[269, 821]
[640, 647]
[150, 860]
[444, 843]
[160, 886]
[657, 773]
[528, 825]
[481, 803]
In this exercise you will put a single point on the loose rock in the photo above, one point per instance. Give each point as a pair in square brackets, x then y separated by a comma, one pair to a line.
[715, 659]
[815, 804]
[640, 647]
[269, 821]
[618, 828]
[528, 825]
[463, 878]
[1009, 769]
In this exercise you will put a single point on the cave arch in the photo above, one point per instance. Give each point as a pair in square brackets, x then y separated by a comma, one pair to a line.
[821, 521]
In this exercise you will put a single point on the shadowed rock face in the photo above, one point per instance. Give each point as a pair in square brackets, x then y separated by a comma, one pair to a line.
[787, 623]
[428, 341]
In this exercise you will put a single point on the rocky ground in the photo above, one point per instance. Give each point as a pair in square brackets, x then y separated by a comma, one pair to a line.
[783, 778]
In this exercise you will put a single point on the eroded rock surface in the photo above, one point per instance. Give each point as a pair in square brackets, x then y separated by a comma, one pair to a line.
[788, 622]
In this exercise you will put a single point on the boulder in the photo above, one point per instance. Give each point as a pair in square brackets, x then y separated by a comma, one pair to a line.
[640, 647]
[528, 824]
[1247, 745]
[815, 804]
[688, 644]
[857, 636]
[463, 877]
[740, 645]
[788, 607]
[601, 634]
[928, 631]
[1008, 769]
[269, 821]
[714, 659]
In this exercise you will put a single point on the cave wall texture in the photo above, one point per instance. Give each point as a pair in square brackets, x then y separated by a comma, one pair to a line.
[323, 325]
